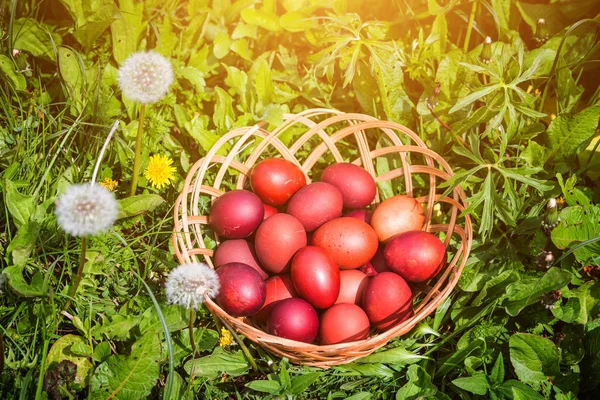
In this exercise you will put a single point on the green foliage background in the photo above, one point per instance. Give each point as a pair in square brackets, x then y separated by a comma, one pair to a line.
[517, 121]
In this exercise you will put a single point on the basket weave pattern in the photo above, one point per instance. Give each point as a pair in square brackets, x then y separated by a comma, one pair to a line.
[321, 133]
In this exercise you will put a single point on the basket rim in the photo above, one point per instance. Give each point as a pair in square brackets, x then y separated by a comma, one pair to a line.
[379, 338]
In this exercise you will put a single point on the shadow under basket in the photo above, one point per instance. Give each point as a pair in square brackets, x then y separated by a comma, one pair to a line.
[393, 154]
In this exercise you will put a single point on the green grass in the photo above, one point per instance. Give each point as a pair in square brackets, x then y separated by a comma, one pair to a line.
[521, 125]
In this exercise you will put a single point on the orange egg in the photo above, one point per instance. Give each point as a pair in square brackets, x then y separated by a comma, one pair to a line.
[397, 215]
[350, 241]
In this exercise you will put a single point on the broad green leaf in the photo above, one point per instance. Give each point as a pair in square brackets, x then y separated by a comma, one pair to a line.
[583, 304]
[205, 340]
[176, 317]
[139, 204]
[264, 386]
[456, 359]
[360, 396]
[223, 116]
[8, 69]
[167, 40]
[568, 91]
[125, 31]
[82, 349]
[419, 385]
[194, 76]
[116, 327]
[221, 45]
[569, 134]
[301, 382]
[129, 377]
[241, 48]
[497, 374]
[578, 224]
[20, 206]
[123, 39]
[529, 291]
[35, 38]
[219, 362]
[63, 349]
[262, 19]
[390, 80]
[379, 370]
[101, 352]
[91, 17]
[534, 358]
[573, 195]
[70, 66]
[296, 21]
[17, 282]
[515, 390]
[476, 384]
[535, 154]
[263, 81]
[397, 355]
[23, 243]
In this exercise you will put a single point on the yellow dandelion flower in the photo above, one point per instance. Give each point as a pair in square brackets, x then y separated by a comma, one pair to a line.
[159, 171]
[226, 339]
[109, 184]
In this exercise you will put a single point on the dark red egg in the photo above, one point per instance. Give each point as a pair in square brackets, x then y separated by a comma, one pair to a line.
[350, 241]
[387, 300]
[343, 323]
[279, 287]
[275, 180]
[357, 186]
[294, 319]
[316, 277]
[276, 241]
[352, 285]
[376, 265]
[416, 256]
[236, 214]
[363, 215]
[242, 292]
[316, 204]
[238, 250]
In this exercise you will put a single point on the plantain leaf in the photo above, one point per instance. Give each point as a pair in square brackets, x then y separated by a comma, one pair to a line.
[568, 134]
[129, 377]
[65, 348]
[578, 224]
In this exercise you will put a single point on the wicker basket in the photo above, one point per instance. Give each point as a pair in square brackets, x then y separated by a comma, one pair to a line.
[319, 135]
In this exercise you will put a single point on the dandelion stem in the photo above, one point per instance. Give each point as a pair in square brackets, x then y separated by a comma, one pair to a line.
[245, 350]
[470, 26]
[79, 273]
[191, 326]
[138, 150]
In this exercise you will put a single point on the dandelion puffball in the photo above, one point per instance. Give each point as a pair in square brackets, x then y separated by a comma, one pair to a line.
[189, 283]
[145, 77]
[86, 209]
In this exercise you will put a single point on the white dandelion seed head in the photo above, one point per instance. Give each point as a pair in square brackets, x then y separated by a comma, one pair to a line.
[86, 209]
[145, 77]
[189, 283]
[551, 203]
